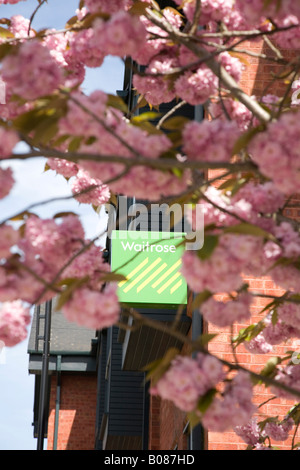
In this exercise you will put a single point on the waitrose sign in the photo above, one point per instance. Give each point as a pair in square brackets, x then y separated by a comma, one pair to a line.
[151, 263]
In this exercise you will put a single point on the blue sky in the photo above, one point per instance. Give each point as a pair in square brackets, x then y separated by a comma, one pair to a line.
[33, 185]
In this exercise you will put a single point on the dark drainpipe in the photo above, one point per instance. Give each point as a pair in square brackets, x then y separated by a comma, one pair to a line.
[44, 378]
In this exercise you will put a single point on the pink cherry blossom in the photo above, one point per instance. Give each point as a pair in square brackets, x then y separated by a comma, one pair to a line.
[14, 320]
[97, 196]
[54, 242]
[250, 432]
[234, 408]
[63, 167]
[9, 237]
[258, 345]
[279, 431]
[123, 34]
[8, 141]
[210, 140]
[211, 10]
[32, 72]
[224, 314]
[83, 46]
[196, 87]
[188, 379]
[264, 198]
[6, 182]
[93, 309]
[289, 376]
[106, 6]
[279, 332]
[237, 111]
[154, 85]
[19, 26]
[289, 313]
[91, 264]
[276, 153]
[4, 2]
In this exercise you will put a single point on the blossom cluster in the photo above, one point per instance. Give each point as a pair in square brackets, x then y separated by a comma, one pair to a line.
[224, 314]
[122, 34]
[93, 309]
[89, 117]
[14, 321]
[236, 111]
[222, 271]
[254, 433]
[194, 86]
[49, 247]
[276, 153]
[88, 190]
[6, 182]
[210, 140]
[290, 377]
[188, 379]
[8, 141]
[106, 6]
[233, 408]
[46, 257]
[32, 72]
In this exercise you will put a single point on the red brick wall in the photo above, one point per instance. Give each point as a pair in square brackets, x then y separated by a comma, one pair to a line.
[256, 80]
[77, 414]
[166, 424]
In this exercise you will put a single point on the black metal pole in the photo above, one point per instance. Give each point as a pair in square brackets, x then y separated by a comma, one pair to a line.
[44, 378]
[197, 435]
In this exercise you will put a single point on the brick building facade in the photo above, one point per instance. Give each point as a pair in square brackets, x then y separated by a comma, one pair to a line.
[79, 422]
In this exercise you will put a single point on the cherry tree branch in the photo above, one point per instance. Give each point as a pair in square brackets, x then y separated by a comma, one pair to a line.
[189, 42]
[163, 163]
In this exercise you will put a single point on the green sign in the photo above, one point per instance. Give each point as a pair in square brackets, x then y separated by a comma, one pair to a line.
[151, 263]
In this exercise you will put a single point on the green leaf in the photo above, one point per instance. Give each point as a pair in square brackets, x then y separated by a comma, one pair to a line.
[204, 339]
[66, 295]
[159, 367]
[193, 419]
[23, 215]
[175, 123]
[245, 228]
[5, 33]
[45, 131]
[138, 8]
[210, 243]
[148, 127]
[274, 317]
[245, 138]
[59, 215]
[75, 144]
[148, 116]
[112, 277]
[200, 298]
[205, 401]
[270, 367]
[116, 102]
[5, 49]
[246, 334]
[235, 184]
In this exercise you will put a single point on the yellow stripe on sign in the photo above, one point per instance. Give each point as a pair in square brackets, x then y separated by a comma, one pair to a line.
[135, 270]
[168, 283]
[174, 288]
[143, 274]
[166, 274]
[153, 275]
